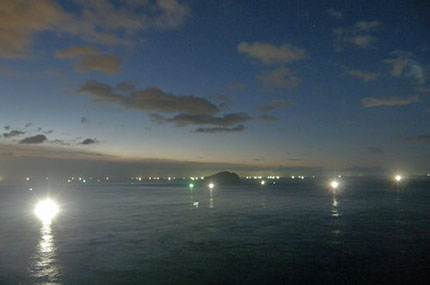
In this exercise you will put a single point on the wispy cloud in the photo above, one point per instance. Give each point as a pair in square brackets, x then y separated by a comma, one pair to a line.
[149, 99]
[187, 110]
[271, 54]
[89, 141]
[403, 64]
[280, 78]
[37, 139]
[366, 26]
[189, 119]
[389, 101]
[335, 13]
[359, 35]
[125, 86]
[85, 120]
[12, 133]
[239, 128]
[365, 76]
[274, 104]
[267, 117]
[90, 58]
[93, 21]
[423, 138]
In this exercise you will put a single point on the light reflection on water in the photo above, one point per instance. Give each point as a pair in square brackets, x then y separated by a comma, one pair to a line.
[335, 214]
[44, 268]
[211, 199]
[334, 211]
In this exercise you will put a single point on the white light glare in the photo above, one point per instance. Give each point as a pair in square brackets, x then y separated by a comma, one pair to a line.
[263, 182]
[398, 178]
[334, 184]
[46, 210]
[211, 185]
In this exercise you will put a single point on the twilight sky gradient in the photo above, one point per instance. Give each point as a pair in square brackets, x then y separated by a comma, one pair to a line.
[171, 87]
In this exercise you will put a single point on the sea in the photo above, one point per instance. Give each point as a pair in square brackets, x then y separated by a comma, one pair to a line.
[288, 231]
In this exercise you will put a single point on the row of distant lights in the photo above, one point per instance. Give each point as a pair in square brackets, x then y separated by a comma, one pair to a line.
[397, 178]
[261, 177]
[83, 180]
[166, 178]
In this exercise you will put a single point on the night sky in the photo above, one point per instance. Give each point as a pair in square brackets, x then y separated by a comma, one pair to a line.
[173, 87]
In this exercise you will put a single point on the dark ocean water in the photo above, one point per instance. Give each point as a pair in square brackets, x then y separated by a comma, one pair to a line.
[292, 232]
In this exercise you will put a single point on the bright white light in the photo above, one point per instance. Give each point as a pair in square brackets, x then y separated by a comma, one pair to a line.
[334, 184]
[398, 178]
[211, 185]
[46, 210]
[263, 182]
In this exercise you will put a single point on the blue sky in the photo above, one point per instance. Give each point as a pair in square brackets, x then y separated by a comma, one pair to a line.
[258, 85]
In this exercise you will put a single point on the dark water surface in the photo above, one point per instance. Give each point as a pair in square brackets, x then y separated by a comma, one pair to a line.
[291, 232]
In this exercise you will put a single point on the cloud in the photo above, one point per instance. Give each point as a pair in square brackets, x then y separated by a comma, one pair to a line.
[335, 13]
[279, 103]
[360, 35]
[84, 120]
[239, 128]
[389, 101]
[90, 58]
[21, 19]
[236, 85]
[223, 98]
[361, 41]
[365, 76]
[187, 110]
[403, 64]
[366, 26]
[150, 99]
[89, 141]
[268, 118]
[281, 78]
[271, 54]
[94, 21]
[124, 86]
[199, 119]
[12, 133]
[77, 51]
[225, 101]
[105, 63]
[34, 139]
[424, 138]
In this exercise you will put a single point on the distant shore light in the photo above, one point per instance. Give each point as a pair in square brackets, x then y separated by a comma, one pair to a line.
[211, 185]
[263, 182]
[334, 184]
[46, 210]
[398, 178]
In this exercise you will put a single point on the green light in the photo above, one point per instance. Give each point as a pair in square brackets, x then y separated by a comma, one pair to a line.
[191, 185]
